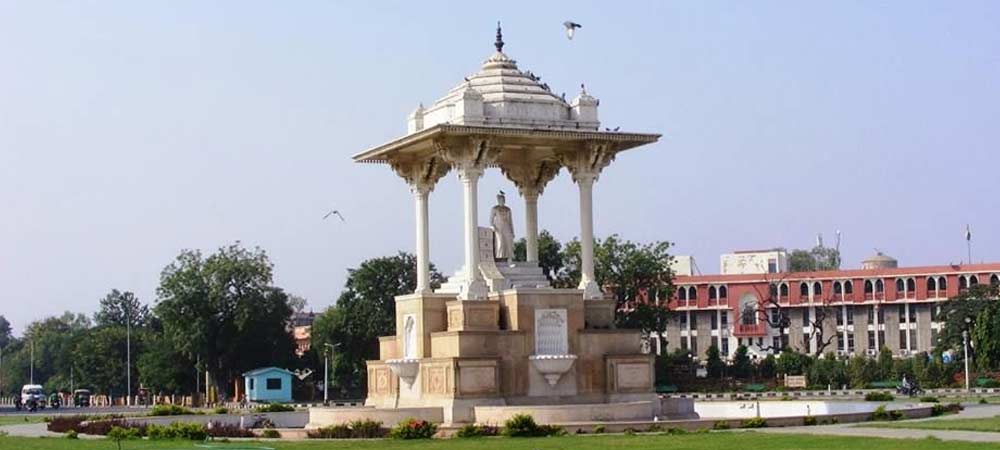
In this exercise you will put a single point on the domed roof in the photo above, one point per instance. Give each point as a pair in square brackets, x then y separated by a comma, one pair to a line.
[879, 261]
[500, 94]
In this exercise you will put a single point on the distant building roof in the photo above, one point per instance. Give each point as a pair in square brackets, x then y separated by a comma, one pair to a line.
[264, 370]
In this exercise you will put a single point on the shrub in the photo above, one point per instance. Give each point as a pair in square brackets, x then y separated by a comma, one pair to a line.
[720, 425]
[756, 422]
[954, 407]
[220, 410]
[809, 421]
[270, 433]
[119, 434]
[413, 429]
[367, 429]
[881, 413]
[929, 399]
[340, 431]
[274, 408]
[474, 430]
[521, 425]
[72, 434]
[938, 410]
[63, 424]
[177, 430]
[674, 431]
[599, 429]
[879, 396]
[228, 430]
[982, 401]
[654, 428]
[629, 431]
[170, 410]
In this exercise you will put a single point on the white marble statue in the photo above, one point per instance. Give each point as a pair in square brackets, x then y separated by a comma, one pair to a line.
[503, 229]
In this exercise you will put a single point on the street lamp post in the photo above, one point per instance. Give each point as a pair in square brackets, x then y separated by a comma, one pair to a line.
[326, 371]
[965, 349]
[128, 354]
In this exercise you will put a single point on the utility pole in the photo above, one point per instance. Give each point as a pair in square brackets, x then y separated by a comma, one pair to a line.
[326, 377]
[31, 371]
[128, 353]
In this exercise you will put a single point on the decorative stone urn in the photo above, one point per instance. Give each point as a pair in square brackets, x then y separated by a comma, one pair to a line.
[552, 367]
[404, 368]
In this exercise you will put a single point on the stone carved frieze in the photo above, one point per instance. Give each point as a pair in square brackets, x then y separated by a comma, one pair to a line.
[588, 162]
[531, 178]
[469, 158]
[422, 175]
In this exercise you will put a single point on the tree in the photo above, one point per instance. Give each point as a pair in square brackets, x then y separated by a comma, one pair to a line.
[634, 274]
[791, 362]
[985, 338]
[116, 307]
[225, 311]
[53, 340]
[742, 368]
[954, 313]
[713, 362]
[6, 334]
[550, 257]
[817, 258]
[365, 310]
[163, 369]
[884, 371]
[99, 358]
[297, 303]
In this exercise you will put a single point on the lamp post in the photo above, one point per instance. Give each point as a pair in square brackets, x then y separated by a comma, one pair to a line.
[965, 349]
[326, 371]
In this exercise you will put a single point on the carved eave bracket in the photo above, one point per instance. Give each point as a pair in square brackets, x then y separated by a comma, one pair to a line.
[421, 174]
[469, 157]
[589, 161]
[531, 177]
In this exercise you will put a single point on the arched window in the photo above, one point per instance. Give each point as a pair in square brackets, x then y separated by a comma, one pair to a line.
[772, 290]
[900, 285]
[722, 292]
[973, 280]
[942, 283]
[712, 293]
[838, 288]
[931, 285]
[682, 293]
[783, 290]
[869, 288]
[962, 283]
[879, 286]
[817, 288]
[693, 293]
[911, 285]
[804, 289]
[995, 280]
[848, 287]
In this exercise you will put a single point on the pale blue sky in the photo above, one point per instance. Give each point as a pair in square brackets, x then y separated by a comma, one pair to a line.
[132, 130]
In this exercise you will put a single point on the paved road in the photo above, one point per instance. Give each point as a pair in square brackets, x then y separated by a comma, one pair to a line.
[10, 411]
[970, 412]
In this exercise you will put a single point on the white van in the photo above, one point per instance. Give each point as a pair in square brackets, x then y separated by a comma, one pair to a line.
[33, 392]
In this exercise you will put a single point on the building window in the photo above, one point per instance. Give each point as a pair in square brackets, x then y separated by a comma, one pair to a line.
[783, 290]
[931, 287]
[772, 265]
[805, 317]
[913, 340]
[804, 290]
[837, 288]
[879, 287]
[684, 320]
[871, 340]
[692, 293]
[900, 286]
[694, 320]
[252, 384]
[682, 294]
[772, 290]
[712, 293]
[714, 321]
[869, 287]
[994, 280]
[725, 348]
[722, 292]
[273, 384]
[850, 315]
[973, 280]
[963, 284]
[848, 287]
[942, 283]
[694, 346]
[817, 288]
[911, 285]
[850, 342]
[840, 318]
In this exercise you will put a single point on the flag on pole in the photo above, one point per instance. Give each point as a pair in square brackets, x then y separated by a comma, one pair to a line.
[968, 233]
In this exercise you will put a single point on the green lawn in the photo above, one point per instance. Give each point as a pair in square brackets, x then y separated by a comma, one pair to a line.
[712, 441]
[985, 424]
[14, 420]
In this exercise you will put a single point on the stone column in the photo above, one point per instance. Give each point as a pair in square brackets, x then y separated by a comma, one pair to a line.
[475, 288]
[420, 194]
[421, 175]
[587, 283]
[586, 164]
[531, 224]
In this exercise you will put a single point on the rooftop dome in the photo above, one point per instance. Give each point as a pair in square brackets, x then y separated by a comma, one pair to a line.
[879, 261]
[501, 95]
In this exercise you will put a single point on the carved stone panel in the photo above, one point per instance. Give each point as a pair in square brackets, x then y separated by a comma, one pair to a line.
[633, 376]
[551, 332]
[477, 380]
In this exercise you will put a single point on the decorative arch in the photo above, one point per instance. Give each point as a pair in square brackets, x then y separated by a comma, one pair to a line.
[748, 309]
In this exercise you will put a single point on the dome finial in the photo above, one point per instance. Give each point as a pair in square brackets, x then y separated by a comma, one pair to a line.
[499, 43]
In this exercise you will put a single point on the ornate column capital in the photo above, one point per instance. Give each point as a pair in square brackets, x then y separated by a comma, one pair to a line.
[531, 178]
[586, 164]
[422, 175]
[469, 159]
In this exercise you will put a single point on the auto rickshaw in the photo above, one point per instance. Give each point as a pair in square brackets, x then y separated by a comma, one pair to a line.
[55, 400]
[81, 398]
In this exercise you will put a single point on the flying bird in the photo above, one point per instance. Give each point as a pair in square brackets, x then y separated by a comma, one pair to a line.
[571, 28]
[334, 212]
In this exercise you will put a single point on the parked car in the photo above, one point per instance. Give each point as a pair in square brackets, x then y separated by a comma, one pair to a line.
[81, 398]
[32, 396]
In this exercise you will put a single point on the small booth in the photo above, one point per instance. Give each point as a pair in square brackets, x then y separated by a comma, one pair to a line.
[268, 384]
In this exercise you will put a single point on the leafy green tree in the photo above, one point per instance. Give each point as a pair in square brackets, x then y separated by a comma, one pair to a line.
[985, 338]
[6, 334]
[766, 367]
[828, 371]
[742, 368]
[225, 311]
[862, 370]
[817, 258]
[955, 311]
[365, 310]
[117, 307]
[713, 362]
[791, 362]
[53, 340]
[99, 358]
[163, 369]
[550, 257]
[885, 371]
